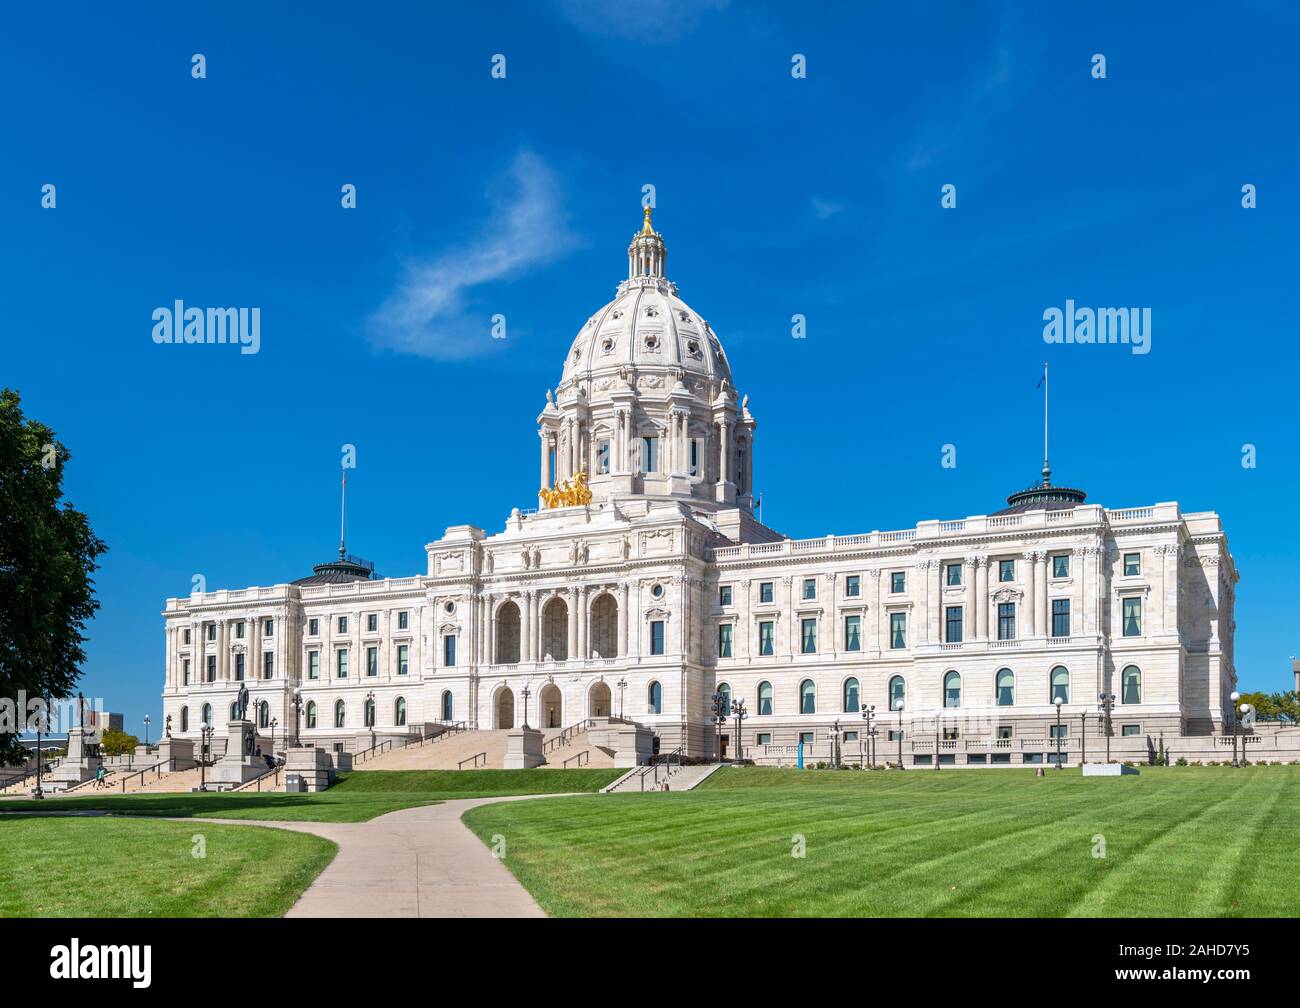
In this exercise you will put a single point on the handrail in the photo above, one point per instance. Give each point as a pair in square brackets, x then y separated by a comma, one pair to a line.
[582, 757]
[567, 735]
[665, 760]
[259, 778]
[14, 781]
[451, 728]
[375, 750]
[475, 758]
[171, 767]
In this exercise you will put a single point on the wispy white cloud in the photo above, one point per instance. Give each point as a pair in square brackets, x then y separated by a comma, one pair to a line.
[428, 313]
[823, 208]
[639, 20]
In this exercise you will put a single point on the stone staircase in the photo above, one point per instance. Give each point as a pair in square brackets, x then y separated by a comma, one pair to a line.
[451, 751]
[650, 779]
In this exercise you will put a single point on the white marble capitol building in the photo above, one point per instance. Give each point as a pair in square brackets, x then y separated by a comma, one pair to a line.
[656, 586]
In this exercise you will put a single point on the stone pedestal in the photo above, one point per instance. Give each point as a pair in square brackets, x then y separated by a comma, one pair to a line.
[239, 764]
[1108, 770]
[312, 764]
[633, 744]
[524, 749]
[79, 765]
[176, 754]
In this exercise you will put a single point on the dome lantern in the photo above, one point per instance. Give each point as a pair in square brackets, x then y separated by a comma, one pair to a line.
[647, 253]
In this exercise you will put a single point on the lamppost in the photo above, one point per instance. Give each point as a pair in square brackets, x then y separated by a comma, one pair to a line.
[205, 735]
[738, 710]
[719, 719]
[1106, 705]
[1083, 737]
[936, 744]
[40, 724]
[1234, 696]
[622, 685]
[898, 706]
[1059, 700]
[274, 722]
[868, 712]
[370, 716]
[297, 716]
[147, 722]
[525, 692]
[835, 744]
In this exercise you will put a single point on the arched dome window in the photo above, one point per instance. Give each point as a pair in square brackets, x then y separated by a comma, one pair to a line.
[765, 698]
[207, 715]
[655, 695]
[339, 714]
[399, 712]
[1005, 685]
[807, 697]
[897, 692]
[311, 713]
[1060, 685]
[952, 689]
[852, 699]
[263, 715]
[185, 719]
[447, 705]
[1131, 685]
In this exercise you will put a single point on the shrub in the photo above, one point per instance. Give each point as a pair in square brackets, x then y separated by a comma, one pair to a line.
[1181, 761]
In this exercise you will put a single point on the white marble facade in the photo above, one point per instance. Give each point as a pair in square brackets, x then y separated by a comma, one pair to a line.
[665, 588]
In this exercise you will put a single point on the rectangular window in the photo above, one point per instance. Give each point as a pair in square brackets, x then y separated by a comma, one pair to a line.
[239, 668]
[268, 665]
[313, 627]
[952, 619]
[1058, 731]
[897, 630]
[1006, 621]
[1132, 564]
[1129, 730]
[898, 582]
[724, 595]
[212, 631]
[808, 636]
[313, 664]
[404, 657]
[852, 633]
[950, 734]
[766, 638]
[343, 624]
[187, 635]
[895, 735]
[1005, 731]
[656, 637]
[1006, 570]
[239, 630]
[602, 456]
[806, 737]
[185, 670]
[449, 651]
[372, 661]
[1061, 617]
[403, 620]
[954, 575]
[341, 664]
[853, 586]
[763, 738]
[268, 628]
[724, 640]
[765, 591]
[372, 622]
[212, 668]
[649, 454]
[850, 736]
[1132, 617]
[694, 452]
[1061, 565]
[809, 588]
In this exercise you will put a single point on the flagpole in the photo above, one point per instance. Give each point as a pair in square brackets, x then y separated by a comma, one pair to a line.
[343, 510]
[1047, 469]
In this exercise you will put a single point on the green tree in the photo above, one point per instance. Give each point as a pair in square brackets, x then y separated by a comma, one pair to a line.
[1274, 706]
[117, 743]
[47, 556]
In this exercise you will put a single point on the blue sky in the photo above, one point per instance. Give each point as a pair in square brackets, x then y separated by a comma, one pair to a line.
[479, 196]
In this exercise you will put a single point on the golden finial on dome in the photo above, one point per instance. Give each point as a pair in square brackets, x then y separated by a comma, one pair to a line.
[646, 228]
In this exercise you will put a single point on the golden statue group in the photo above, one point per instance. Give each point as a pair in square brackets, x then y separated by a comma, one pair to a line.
[566, 494]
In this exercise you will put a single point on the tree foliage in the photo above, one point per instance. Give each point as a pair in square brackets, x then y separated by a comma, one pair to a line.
[114, 742]
[1283, 707]
[47, 556]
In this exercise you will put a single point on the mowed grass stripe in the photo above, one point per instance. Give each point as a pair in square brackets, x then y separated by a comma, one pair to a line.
[964, 843]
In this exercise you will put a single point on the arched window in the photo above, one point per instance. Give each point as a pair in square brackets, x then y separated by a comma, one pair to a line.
[207, 715]
[852, 698]
[264, 715]
[656, 698]
[724, 691]
[447, 705]
[952, 689]
[185, 719]
[897, 692]
[765, 697]
[1006, 687]
[338, 714]
[399, 712]
[311, 713]
[1060, 685]
[807, 697]
[1131, 685]
[369, 713]
[234, 711]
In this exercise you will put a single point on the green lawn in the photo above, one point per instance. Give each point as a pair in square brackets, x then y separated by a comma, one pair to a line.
[357, 797]
[1178, 841]
[68, 866]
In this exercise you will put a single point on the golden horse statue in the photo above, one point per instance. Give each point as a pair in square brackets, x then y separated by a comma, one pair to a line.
[567, 494]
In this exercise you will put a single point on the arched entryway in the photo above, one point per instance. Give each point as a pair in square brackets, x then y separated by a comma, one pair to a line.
[555, 630]
[506, 708]
[598, 700]
[552, 705]
[507, 650]
[604, 627]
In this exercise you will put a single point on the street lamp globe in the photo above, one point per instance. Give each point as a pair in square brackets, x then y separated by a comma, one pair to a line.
[1234, 696]
[898, 704]
[1245, 708]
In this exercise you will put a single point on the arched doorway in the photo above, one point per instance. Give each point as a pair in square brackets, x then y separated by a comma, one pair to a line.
[598, 700]
[506, 708]
[507, 650]
[552, 705]
[604, 626]
[555, 630]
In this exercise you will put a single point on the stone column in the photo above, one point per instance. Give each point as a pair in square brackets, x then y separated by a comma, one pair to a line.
[878, 628]
[982, 598]
[526, 627]
[970, 584]
[1171, 552]
[724, 452]
[831, 635]
[584, 652]
[1027, 605]
[572, 600]
[621, 635]
[544, 478]
[791, 624]
[223, 649]
[1041, 619]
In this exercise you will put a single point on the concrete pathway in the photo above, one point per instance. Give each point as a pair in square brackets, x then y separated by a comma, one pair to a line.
[416, 862]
